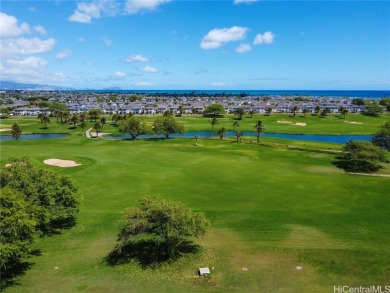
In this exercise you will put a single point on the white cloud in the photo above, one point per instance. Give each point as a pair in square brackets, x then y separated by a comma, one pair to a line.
[143, 83]
[149, 69]
[244, 1]
[63, 54]
[218, 37]
[266, 38]
[136, 58]
[107, 42]
[218, 84]
[81, 40]
[9, 26]
[40, 29]
[30, 69]
[119, 74]
[11, 47]
[86, 11]
[30, 62]
[243, 48]
[136, 6]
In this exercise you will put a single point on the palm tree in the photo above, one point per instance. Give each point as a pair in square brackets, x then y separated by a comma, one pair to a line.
[16, 131]
[317, 109]
[82, 117]
[304, 111]
[98, 128]
[196, 139]
[181, 109]
[294, 110]
[235, 124]
[45, 120]
[213, 122]
[259, 129]
[343, 111]
[239, 112]
[103, 121]
[268, 111]
[74, 119]
[221, 132]
[65, 115]
[239, 134]
[251, 112]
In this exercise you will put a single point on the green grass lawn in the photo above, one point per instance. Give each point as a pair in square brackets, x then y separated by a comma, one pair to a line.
[272, 210]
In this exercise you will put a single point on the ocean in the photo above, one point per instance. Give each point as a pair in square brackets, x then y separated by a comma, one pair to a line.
[374, 94]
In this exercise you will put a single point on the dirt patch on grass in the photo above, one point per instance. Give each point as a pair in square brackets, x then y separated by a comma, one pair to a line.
[300, 124]
[284, 121]
[61, 163]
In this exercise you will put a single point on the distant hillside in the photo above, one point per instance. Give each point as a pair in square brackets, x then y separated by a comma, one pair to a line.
[10, 85]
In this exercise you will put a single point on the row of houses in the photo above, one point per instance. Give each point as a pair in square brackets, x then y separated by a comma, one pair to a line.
[188, 108]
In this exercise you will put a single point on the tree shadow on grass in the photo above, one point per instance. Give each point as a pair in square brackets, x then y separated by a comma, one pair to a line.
[149, 253]
[356, 166]
[10, 275]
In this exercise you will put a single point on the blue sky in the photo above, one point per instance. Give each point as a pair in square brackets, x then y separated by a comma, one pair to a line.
[162, 44]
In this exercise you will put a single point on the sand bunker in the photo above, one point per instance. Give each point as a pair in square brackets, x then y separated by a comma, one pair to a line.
[5, 129]
[353, 122]
[289, 122]
[61, 163]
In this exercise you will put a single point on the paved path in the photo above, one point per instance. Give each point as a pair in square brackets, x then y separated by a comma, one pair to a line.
[88, 133]
[367, 174]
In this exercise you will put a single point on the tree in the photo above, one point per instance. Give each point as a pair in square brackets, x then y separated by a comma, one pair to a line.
[168, 113]
[361, 156]
[167, 222]
[294, 110]
[221, 132]
[82, 117]
[17, 228]
[214, 110]
[268, 111]
[98, 127]
[74, 119]
[57, 109]
[103, 121]
[213, 122]
[238, 135]
[325, 112]
[305, 111]
[358, 102]
[373, 110]
[16, 131]
[251, 112]
[51, 198]
[134, 127]
[382, 137]
[235, 125]
[385, 102]
[259, 129]
[45, 120]
[181, 110]
[94, 114]
[317, 109]
[343, 111]
[239, 112]
[167, 126]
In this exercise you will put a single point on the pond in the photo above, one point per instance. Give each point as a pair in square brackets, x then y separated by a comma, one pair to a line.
[34, 136]
[341, 139]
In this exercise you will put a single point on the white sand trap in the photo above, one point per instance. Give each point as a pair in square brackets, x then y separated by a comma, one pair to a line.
[300, 124]
[283, 121]
[353, 122]
[5, 129]
[61, 163]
